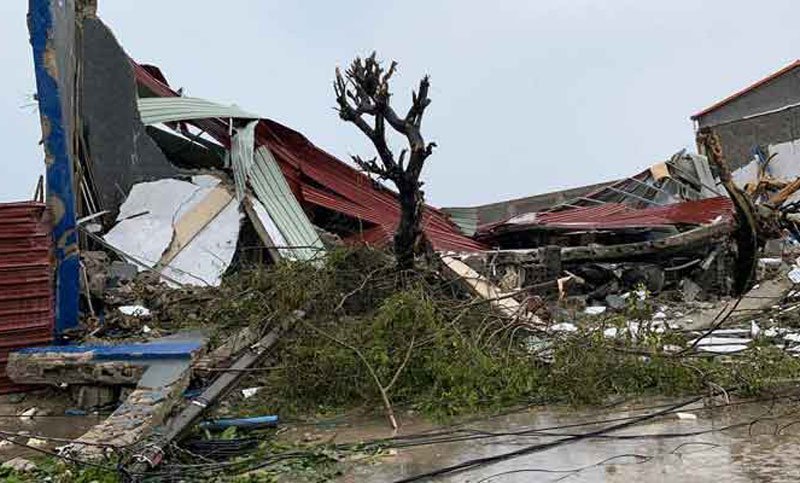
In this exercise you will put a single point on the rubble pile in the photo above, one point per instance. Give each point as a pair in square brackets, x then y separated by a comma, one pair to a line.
[203, 248]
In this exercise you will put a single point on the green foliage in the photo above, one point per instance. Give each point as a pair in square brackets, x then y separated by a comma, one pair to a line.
[59, 471]
[446, 354]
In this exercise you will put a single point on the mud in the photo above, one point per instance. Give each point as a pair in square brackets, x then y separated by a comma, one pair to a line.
[764, 447]
[50, 422]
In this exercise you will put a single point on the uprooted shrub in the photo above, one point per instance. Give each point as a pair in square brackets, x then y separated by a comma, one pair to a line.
[425, 343]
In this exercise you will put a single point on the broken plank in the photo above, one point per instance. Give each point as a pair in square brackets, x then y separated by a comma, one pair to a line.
[482, 287]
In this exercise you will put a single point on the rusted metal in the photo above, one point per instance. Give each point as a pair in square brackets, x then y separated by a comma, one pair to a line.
[614, 216]
[26, 283]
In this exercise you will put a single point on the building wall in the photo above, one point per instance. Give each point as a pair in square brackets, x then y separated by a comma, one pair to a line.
[775, 94]
[740, 137]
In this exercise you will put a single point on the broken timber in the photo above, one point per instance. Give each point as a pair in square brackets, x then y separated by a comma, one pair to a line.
[478, 285]
[152, 455]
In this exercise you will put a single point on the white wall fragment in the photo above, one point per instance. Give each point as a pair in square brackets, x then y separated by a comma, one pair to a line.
[159, 205]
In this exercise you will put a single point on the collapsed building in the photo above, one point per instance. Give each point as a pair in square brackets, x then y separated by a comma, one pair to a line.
[142, 179]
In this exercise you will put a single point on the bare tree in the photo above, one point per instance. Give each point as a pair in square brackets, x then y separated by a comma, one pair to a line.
[363, 98]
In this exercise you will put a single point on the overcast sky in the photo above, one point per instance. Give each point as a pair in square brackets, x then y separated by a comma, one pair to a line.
[528, 96]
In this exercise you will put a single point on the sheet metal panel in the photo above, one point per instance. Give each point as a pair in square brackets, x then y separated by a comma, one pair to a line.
[274, 193]
[154, 110]
[619, 216]
[26, 282]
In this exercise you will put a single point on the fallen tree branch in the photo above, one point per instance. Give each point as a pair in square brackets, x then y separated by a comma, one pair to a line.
[384, 390]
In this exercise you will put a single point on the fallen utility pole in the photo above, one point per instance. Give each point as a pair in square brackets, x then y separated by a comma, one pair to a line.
[152, 455]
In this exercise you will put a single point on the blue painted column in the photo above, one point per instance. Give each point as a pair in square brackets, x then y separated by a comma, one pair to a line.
[59, 165]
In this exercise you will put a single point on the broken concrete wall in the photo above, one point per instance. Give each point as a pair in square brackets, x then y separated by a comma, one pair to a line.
[119, 150]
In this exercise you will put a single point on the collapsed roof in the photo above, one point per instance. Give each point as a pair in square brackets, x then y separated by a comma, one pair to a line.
[134, 130]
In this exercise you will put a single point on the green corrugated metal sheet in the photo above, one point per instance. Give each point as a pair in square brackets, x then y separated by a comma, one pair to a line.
[465, 218]
[242, 154]
[264, 174]
[273, 191]
[154, 110]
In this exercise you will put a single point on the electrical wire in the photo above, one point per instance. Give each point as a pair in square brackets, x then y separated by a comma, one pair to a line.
[488, 460]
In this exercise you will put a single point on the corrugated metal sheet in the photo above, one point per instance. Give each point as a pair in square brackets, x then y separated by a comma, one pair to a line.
[26, 286]
[242, 152]
[154, 110]
[260, 167]
[612, 216]
[465, 218]
[304, 165]
[274, 193]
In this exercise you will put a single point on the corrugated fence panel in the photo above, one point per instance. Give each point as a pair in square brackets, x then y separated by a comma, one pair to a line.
[26, 284]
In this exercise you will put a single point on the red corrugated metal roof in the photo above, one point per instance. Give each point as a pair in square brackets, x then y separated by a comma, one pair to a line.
[747, 89]
[305, 167]
[26, 289]
[611, 216]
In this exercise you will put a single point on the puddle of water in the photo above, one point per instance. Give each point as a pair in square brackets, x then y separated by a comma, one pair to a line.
[53, 423]
[768, 450]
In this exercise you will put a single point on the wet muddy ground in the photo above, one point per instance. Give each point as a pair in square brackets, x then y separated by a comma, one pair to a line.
[49, 424]
[746, 442]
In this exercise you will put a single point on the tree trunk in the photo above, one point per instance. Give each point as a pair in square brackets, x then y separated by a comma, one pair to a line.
[409, 234]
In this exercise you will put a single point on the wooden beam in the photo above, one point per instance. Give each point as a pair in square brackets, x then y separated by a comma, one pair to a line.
[480, 286]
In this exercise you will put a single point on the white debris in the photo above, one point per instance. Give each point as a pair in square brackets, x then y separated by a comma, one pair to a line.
[611, 332]
[146, 329]
[792, 337]
[794, 275]
[741, 331]
[755, 330]
[36, 442]
[147, 236]
[686, 416]
[20, 465]
[595, 310]
[161, 204]
[250, 392]
[724, 349]
[5, 444]
[659, 315]
[134, 310]
[716, 340]
[27, 415]
[564, 327]
[722, 345]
